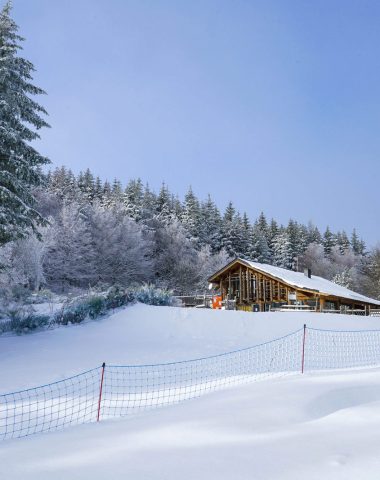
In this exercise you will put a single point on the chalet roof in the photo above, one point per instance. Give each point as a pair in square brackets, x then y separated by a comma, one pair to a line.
[300, 280]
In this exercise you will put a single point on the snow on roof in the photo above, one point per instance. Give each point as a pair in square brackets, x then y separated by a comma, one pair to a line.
[318, 284]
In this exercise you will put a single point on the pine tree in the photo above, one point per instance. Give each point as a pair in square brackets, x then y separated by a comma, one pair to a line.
[133, 199]
[19, 162]
[190, 218]
[210, 225]
[342, 242]
[328, 241]
[313, 235]
[259, 248]
[262, 224]
[283, 253]
[163, 202]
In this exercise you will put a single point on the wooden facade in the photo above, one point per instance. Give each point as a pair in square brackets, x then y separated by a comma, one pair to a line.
[254, 290]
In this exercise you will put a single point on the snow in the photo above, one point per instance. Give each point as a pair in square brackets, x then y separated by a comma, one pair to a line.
[314, 426]
[144, 334]
[318, 284]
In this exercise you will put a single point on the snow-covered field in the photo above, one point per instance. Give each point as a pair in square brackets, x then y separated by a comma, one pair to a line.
[315, 426]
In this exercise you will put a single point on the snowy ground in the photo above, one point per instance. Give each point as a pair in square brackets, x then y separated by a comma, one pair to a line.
[315, 426]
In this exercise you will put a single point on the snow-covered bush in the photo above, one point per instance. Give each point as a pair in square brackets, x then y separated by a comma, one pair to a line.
[96, 306]
[18, 321]
[116, 296]
[74, 313]
[151, 295]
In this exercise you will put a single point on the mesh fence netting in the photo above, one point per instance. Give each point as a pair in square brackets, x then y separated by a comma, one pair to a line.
[118, 390]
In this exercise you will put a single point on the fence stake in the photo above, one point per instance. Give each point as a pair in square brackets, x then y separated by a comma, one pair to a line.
[303, 348]
[100, 391]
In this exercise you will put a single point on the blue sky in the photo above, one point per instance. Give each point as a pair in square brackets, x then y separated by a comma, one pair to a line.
[272, 104]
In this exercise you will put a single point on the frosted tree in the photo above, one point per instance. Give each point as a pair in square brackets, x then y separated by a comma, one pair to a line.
[26, 260]
[120, 248]
[69, 259]
[209, 263]
[21, 117]
[371, 273]
[175, 257]
[343, 278]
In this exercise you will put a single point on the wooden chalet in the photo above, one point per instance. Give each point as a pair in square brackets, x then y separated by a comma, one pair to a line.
[253, 286]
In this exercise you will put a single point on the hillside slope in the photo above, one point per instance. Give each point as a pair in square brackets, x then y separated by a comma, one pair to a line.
[144, 334]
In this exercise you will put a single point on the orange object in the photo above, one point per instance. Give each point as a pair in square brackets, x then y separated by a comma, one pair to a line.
[217, 302]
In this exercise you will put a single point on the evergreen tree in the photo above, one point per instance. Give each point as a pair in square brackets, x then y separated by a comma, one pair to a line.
[190, 218]
[328, 241]
[342, 242]
[313, 235]
[163, 202]
[283, 253]
[133, 199]
[262, 224]
[210, 225]
[259, 248]
[232, 232]
[19, 162]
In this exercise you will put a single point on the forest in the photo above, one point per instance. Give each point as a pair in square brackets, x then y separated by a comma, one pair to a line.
[100, 233]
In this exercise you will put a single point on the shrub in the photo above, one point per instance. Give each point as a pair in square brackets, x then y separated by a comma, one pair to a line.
[151, 295]
[75, 313]
[29, 323]
[96, 306]
[116, 297]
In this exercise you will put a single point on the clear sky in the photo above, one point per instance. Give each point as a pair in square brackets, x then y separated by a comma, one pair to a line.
[274, 104]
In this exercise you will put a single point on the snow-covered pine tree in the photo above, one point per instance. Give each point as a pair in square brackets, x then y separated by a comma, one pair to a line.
[328, 241]
[133, 199]
[86, 184]
[210, 225]
[19, 162]
[98, 189]
[163, 203]
[314, 235]
[232, 232]
[283, 253]
[342, 242]
[262, 224]
[190, 218]
[246, 237]
[149, 202]
[259, 248]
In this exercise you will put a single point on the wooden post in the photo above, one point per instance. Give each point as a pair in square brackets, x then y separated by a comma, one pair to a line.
[240, 285]
[303, 349]
[100, 392]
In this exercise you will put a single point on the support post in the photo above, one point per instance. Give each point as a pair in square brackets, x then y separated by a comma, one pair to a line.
[100, 391]
[303, 348]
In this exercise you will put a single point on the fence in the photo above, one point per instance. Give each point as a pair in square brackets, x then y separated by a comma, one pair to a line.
[116, 390]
